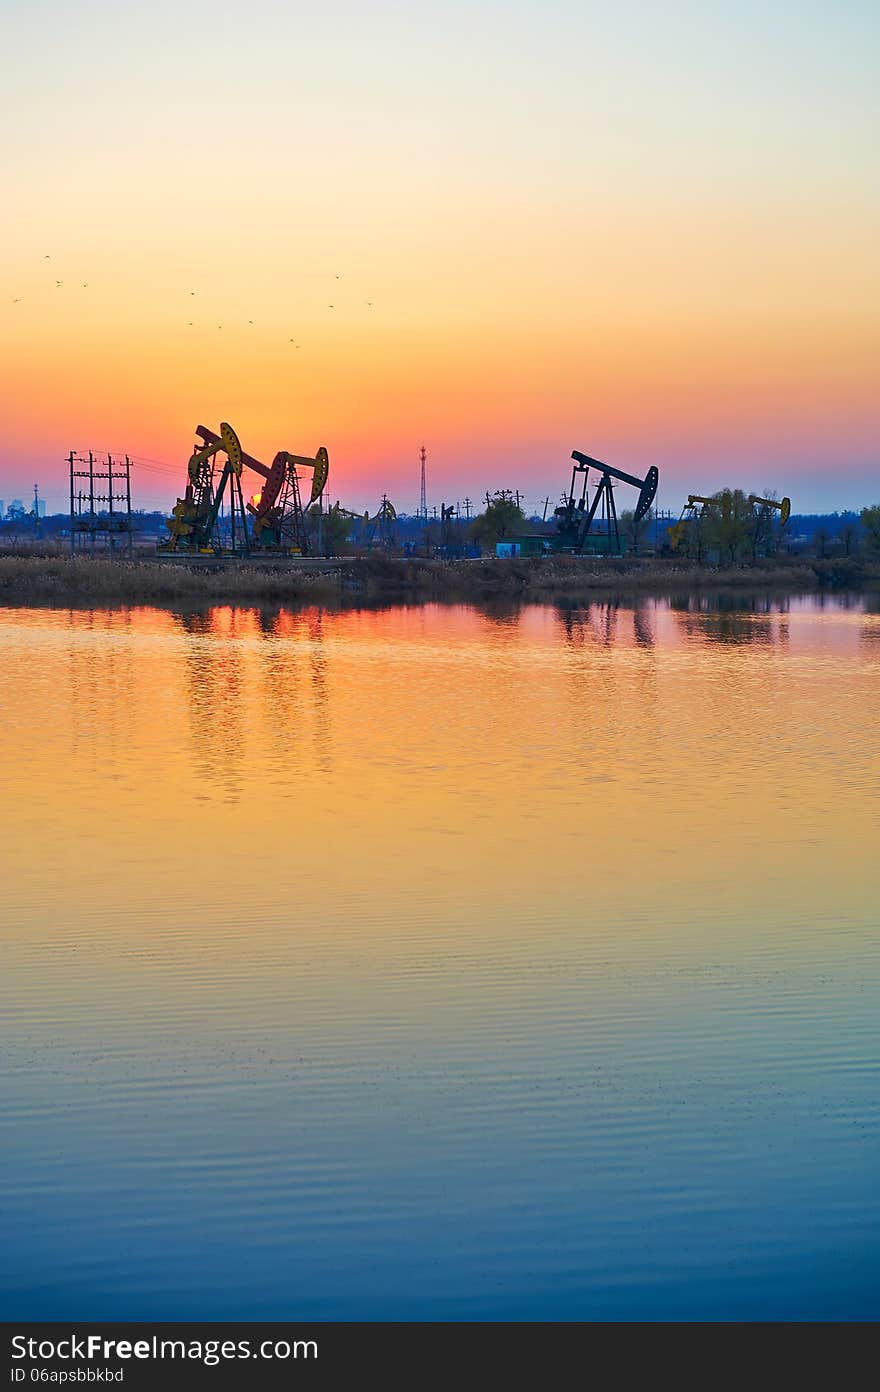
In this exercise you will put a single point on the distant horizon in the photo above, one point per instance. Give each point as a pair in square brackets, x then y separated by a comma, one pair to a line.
[155, 496]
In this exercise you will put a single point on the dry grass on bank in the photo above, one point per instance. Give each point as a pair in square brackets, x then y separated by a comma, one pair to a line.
[574, 579]
[99, 580]
[59, 580]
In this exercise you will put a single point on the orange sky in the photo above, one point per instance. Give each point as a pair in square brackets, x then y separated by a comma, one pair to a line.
[650, 237]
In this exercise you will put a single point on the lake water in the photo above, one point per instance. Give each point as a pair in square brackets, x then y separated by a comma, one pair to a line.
[436, 963]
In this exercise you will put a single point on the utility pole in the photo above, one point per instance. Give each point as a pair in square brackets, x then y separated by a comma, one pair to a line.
[72, 529]
[128, 502]
[36, 509]
[546, 505]
[467, 508]
[83, 526]
[110, 538]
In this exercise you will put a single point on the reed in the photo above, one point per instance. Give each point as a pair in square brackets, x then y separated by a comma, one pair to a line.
[61, 580]
[99, 580]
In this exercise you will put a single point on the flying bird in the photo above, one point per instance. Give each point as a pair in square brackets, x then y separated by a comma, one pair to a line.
[47, 257]
[330, 306]
[58, 284]
[85, 285]
[18, 301]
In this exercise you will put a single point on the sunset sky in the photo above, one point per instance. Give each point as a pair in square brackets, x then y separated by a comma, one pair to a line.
[645, 231]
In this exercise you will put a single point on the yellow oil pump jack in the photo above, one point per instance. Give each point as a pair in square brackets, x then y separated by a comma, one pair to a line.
[780, 505]
[276, 513]
[362, 518]
[764, 509]
[383, 520]
[676, 533]
[194, 517]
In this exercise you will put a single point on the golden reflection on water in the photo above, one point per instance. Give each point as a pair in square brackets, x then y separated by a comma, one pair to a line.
[542, 770]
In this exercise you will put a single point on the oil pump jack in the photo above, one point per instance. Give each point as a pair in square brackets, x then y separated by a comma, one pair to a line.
[381, 522]
[277, 512]
[575, 517]
[764, 509]
[780, 505]
[384, 520]
[687, 515]
[193, 522]
[698, 506]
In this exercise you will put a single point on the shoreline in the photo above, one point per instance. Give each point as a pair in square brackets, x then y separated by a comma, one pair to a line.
[351, 581]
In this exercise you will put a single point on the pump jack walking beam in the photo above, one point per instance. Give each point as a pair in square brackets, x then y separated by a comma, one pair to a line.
[605, 491]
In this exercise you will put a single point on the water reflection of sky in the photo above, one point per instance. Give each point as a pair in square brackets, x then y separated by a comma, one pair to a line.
[438, 962]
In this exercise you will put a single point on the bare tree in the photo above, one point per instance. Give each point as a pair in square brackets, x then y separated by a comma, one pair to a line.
[634, 532]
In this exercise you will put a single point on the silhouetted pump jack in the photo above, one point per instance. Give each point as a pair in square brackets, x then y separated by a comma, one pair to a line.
[575, 517]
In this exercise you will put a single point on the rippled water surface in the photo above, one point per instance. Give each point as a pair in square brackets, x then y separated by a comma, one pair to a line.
[429, 963]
